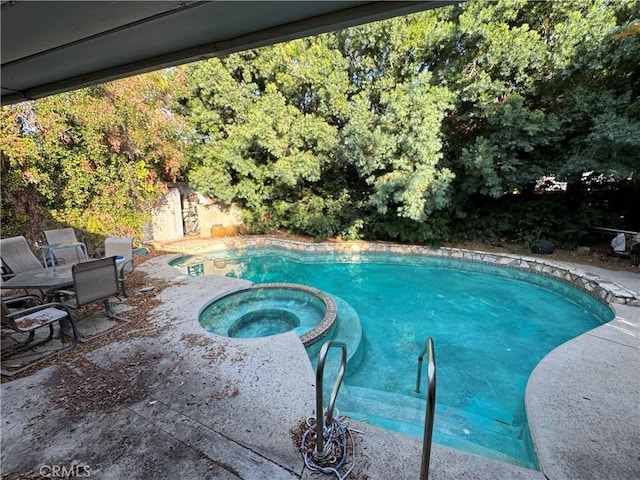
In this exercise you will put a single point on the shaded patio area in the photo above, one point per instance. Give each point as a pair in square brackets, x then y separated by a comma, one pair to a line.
[164, 399]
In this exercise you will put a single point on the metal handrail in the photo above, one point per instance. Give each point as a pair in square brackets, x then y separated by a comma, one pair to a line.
[321, 421]
[420, 358]
[431, 403]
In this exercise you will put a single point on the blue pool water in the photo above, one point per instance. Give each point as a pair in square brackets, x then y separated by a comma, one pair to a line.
[490, 326]
[263, 312]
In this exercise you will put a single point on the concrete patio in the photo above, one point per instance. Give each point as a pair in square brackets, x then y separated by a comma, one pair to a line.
[173, 402]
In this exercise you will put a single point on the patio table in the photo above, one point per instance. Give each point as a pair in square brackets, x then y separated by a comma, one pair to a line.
[48, 281]
[44, 279]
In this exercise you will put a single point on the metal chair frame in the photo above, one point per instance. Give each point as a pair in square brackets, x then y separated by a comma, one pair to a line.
[26, 314]
[93, 281]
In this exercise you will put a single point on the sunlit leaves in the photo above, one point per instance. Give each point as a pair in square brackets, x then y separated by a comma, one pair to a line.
[267, 128]
[101, 152]
[19, 149]
[411, 120]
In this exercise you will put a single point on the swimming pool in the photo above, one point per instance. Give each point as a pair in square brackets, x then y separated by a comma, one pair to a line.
[490, 325]
[267, 309]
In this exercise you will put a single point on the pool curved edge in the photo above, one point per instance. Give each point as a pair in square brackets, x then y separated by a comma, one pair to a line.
[581, 401]
[603, 290]
[552, 455]
[317, 333]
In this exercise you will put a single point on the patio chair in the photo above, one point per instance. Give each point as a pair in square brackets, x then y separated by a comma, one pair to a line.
[121, 246]
[67, 256]
[17, 256]
[27, 313]
[93, 281]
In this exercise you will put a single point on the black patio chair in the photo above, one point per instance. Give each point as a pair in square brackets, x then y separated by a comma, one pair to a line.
[27, 313]
[93, 281]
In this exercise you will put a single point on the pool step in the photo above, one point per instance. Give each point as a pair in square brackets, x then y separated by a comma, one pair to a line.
[410, 409]
[417, 431]
[452, 427]
[348, 331]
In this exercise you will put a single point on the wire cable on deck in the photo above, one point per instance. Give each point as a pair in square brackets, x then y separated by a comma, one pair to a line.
[335, 451]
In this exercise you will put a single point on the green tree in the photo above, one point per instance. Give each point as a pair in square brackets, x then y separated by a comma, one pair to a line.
[544, 91]
[450, 123]
[25, 183]
[94, 158]
[296, 136]
[267, 124]
[426, 126]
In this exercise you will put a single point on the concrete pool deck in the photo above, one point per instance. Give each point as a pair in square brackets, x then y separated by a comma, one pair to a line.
[175, 403]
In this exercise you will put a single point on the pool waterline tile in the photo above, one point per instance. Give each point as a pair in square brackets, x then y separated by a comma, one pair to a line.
[516, 268]
[606, 292]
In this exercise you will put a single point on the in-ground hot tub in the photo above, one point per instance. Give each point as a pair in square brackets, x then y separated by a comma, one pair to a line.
[270, 309]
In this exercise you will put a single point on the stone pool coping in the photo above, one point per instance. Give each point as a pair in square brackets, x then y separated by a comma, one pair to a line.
[594, 443]
[318, 332]
[214, 407]
[601, 289]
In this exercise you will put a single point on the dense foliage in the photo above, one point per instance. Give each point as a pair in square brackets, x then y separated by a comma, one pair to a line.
[95, 159]
[436, 125]
[454, 123]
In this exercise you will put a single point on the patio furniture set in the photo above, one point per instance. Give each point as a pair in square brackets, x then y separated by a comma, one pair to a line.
[65, 280]
[625, 243]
